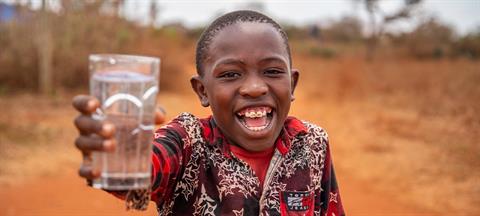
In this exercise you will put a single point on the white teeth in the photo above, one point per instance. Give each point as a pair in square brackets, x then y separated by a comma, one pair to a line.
[255, 112]
[257, 128]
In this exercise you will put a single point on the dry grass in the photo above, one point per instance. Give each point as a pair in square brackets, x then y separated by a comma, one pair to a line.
[412, 128]
[36, 135]
[409, 127]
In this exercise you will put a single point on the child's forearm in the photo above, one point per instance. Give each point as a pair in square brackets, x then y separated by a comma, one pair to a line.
[167, 153]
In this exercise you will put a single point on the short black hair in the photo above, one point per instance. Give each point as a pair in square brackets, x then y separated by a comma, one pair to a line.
[226, 20]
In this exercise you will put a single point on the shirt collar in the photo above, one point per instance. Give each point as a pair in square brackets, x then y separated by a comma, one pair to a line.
[291, 128]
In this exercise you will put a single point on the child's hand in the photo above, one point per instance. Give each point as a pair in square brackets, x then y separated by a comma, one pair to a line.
[95, 135]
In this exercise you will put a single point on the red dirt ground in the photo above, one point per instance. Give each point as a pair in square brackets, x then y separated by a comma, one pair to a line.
[68, 195]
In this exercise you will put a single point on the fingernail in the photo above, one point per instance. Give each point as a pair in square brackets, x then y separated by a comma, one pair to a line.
[109, 145]
[108, 130]
[92, 105]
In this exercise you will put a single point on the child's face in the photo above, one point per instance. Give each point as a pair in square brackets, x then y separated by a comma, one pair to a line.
[248, 83]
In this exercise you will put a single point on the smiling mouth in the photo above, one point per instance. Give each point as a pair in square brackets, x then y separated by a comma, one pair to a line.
[255, 118]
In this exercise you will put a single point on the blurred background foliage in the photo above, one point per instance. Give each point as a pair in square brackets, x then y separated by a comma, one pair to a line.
[68, 35]
[401, 107]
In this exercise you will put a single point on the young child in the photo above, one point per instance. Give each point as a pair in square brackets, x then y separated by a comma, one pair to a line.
[249, 157]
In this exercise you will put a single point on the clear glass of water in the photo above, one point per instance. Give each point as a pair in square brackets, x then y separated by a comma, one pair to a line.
[126, 86]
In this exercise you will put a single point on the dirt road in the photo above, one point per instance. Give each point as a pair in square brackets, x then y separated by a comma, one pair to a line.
[67, 195]
[62, 192]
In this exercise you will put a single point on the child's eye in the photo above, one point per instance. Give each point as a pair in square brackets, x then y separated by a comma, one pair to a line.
[274, 71]
[229, 75]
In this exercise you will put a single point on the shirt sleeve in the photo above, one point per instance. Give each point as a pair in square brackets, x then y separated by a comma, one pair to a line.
[166, 159]
[331, 203]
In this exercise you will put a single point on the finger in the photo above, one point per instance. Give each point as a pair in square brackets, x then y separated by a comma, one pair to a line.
[160, 115]
[107, 130]
[94, 143]
[85, 104]
[86, 125]
[88, 172]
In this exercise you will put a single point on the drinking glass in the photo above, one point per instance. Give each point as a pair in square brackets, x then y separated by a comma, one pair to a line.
[126, 86]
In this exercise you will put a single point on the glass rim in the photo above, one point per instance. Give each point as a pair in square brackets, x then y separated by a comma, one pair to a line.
[99, 57]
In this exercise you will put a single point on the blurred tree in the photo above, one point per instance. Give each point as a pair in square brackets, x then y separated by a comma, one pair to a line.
[107, 7]
[430, 39]
[44, 47]
[297, 32]
[346, 29]
[154, 12]
[118, 5]
[315, 32]
[377, 27]
[469, 45]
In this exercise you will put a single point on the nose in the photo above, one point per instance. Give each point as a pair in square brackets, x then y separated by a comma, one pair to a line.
[253, 86]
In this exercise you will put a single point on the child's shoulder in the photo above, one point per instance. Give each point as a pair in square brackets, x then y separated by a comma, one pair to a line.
[305, 127]
[192, 124]
[186, 119]
[184, 122]
[301, 124]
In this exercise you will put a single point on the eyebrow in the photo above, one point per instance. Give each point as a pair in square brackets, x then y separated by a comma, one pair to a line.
[274, 58]
[230, 61]
[241, 62]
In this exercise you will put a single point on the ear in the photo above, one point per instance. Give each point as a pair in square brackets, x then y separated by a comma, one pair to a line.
[295, 74]
[199, 88]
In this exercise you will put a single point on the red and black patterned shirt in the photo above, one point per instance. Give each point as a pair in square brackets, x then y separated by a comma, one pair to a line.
[195, 173]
